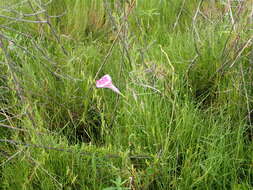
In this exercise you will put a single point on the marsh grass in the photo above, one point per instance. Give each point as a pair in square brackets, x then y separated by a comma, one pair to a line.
[185, 69]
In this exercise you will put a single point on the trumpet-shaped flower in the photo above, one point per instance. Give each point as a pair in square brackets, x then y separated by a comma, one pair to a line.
[106, 82]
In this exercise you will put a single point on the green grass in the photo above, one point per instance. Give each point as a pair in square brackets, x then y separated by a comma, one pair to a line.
[185, 121]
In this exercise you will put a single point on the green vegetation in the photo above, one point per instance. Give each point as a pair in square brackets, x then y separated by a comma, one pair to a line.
[185, 69]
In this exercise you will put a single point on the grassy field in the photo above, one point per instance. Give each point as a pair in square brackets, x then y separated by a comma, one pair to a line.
[185, 69]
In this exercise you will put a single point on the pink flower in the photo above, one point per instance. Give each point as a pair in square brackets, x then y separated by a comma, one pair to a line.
[106, 82]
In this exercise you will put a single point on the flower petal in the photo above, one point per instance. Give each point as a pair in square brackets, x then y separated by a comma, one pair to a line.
[114, 88]
[105, 80]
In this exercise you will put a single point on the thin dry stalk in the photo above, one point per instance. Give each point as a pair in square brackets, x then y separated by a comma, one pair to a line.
[19, 143]
[11, 157]
[48, 22]
[23, 20]
[17, 84]
[195, 31]
[115, 40]
[179, 14]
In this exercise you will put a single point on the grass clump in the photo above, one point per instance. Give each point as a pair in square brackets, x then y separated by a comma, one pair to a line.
[184, 68]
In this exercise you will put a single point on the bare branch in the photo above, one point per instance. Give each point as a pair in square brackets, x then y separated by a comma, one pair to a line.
[23, 20]
[16, 143]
